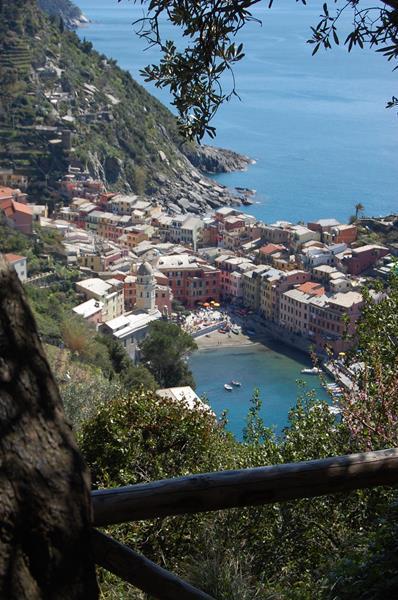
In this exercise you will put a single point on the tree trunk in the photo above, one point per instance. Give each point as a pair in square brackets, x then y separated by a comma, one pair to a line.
[45, 509]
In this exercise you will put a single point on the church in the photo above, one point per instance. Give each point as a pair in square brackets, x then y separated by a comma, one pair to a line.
[130, 329]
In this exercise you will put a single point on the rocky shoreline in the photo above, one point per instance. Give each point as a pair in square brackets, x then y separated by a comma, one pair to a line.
[209, 159]
[191, 191]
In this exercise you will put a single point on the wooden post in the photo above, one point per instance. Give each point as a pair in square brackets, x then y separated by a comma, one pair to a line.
[247, 487]
[45, 508]
[141, 572]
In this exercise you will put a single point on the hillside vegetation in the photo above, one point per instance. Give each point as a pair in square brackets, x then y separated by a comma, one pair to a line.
[71, 14]
[62, 102]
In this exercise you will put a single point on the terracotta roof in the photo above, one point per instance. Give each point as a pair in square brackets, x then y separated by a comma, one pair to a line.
[23, 208]
[11, 258]
[6, 206]
[271, 248]
[311, 288]
[7, 192]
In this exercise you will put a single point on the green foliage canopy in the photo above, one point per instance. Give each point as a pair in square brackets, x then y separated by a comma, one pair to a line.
[163, 352]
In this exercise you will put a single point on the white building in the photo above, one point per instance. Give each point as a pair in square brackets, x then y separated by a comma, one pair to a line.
[110, 293]
[184, 395]
[19, 264]
[91, 310]
[131, 329]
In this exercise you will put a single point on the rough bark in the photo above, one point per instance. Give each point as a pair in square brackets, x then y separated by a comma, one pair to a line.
[45, 510]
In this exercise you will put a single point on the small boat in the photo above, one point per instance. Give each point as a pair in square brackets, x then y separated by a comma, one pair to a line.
[228, 387]
[236, 383]
[235, 329]
[313, 371]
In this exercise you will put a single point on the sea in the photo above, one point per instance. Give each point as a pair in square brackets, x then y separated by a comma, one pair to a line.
[274, 370]
[322, 141]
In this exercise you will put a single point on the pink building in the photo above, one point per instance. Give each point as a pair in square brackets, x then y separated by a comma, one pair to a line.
[190, 279]
[163, 294]
[333, 320]
[17, 214]
[294, 306]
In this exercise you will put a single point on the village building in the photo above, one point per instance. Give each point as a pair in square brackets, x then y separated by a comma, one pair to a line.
[110, 293]
[333, 320]
[191, 279]
[294, 312]
[273, 283]
[357, 260]
[9, 178]
[301, 234]
[323, 226]
[252, 286]
[277, 233]
[346, 234]
[19, 263]
[91, 311]
[15, 210]
[135, 234]
[131, 329]
[314, 256]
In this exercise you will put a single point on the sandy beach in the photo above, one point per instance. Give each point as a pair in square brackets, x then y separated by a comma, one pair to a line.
[217, 339]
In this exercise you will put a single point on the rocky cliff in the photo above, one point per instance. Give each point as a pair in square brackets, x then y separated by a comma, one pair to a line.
[71, 14]
[63, 103]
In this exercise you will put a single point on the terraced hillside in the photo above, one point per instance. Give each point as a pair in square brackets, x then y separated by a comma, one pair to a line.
[61, 102]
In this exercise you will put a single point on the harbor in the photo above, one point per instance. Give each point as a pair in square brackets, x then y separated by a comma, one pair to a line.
[270, 367]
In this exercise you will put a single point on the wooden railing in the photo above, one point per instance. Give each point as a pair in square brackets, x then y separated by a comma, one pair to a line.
[222, 490]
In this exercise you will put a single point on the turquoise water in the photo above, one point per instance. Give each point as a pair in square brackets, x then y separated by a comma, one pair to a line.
[317, 126]
[274, 371]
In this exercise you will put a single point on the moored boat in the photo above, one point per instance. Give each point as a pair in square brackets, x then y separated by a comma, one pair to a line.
[228, 387]
[236, 383]
[312, 371]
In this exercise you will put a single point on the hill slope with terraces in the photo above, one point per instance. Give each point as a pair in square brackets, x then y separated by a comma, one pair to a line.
[63, 103]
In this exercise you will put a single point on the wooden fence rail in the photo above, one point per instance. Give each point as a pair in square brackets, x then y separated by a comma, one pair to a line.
[247, 487]
[140, 571]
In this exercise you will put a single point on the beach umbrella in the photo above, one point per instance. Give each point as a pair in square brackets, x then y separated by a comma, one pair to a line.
[216, 305]
[206, 304]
